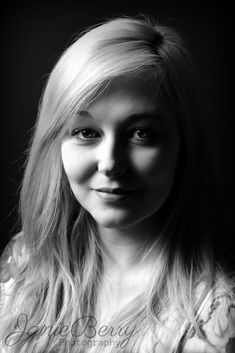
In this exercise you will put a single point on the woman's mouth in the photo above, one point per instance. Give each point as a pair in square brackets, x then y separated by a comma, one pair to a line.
[114, 194]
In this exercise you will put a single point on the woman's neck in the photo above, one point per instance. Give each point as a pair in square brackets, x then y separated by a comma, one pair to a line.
[124, 248]
[126, 271]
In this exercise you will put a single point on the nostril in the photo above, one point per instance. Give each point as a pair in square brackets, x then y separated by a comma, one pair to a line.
[111, 168]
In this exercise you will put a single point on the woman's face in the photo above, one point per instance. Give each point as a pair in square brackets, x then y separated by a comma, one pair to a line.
[121, 153]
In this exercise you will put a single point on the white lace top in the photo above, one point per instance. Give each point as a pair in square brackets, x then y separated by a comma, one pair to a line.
[216, 315]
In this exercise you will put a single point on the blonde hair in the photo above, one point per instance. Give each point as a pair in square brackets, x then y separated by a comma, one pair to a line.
[58, 281]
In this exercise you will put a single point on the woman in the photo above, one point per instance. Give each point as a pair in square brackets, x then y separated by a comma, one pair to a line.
[114, 253]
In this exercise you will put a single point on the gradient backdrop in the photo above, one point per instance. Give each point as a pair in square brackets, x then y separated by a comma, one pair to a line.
[32, 38]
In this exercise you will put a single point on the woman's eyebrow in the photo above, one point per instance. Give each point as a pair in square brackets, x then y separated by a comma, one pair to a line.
[84, 114]
[143, 116]
[135, 116]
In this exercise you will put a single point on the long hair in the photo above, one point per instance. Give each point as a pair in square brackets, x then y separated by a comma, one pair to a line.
[58, 281]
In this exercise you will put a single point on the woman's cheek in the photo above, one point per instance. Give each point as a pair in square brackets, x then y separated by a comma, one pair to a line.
[147, 160]
[77, 162]
[156, 164]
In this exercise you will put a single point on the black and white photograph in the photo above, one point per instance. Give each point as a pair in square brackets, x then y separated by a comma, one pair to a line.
[117, 206]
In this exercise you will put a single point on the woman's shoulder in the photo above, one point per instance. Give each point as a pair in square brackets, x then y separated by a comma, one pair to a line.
[215, 319]
[11, 259]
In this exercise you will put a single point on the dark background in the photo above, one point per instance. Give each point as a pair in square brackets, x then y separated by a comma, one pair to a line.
[34, 36]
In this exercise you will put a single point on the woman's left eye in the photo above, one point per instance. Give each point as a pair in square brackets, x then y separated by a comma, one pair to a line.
[141, 134]
[85, 134]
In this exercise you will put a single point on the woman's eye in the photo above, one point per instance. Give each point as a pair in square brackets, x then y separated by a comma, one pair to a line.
[85, 134]
[141, 134]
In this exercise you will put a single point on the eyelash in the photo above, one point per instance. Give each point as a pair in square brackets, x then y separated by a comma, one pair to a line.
[83, 139]
[145, 130]
[77, 131]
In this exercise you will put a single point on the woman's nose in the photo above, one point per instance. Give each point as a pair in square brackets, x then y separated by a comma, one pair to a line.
[111, 161]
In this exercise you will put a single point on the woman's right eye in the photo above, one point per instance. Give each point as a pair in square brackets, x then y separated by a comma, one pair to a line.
[85, 134]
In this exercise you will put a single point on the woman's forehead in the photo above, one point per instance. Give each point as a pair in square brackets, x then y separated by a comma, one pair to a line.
[131, 94]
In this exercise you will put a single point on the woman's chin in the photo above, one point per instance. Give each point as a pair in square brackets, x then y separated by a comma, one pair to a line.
[114, 220]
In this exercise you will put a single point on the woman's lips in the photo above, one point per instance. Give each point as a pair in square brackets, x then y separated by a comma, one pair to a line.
[114, 195]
